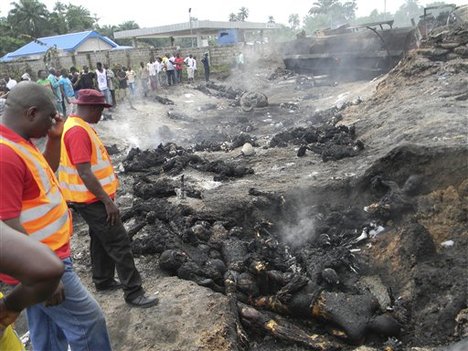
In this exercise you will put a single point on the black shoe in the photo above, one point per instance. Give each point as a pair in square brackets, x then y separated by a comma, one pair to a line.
[114, 285]
[143, 301]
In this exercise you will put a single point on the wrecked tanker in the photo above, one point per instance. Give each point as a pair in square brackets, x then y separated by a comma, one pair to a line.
[347, 52]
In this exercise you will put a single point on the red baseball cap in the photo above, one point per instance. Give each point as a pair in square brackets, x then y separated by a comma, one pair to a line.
[91, 97]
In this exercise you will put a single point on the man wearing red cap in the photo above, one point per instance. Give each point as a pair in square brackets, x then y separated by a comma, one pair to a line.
[89, 185]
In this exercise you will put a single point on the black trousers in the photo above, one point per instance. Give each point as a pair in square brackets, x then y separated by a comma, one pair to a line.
[110, 250]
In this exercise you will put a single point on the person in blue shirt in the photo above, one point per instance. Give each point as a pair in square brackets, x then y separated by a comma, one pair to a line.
[54, 84]
[66, 88]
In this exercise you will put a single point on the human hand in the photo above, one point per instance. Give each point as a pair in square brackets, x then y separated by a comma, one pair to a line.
[113, 213]
[57, 297]
[56, 130]
[7, 316]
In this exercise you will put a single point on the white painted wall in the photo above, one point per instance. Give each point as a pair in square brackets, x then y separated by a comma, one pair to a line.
[93, 44]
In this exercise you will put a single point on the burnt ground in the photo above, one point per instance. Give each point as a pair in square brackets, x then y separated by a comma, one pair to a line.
[347, 225]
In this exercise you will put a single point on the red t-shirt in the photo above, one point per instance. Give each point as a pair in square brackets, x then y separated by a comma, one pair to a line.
[78, 145]
[17, 185]
[79, 148]
[179, 61]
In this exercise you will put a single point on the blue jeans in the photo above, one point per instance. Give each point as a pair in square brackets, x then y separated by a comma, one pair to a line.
[78, 321]
[107, 96]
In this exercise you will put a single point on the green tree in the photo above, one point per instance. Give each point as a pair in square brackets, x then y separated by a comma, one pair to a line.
[374, 16]
[409, 10]
[107, 30]
[232, 17]
[294, 21]
[8, 40]
[128, 25]
[316, 22]
[271, 19]
[335, 12]
[242, 14]
[57, 19]
[29, 17]
[79, 18]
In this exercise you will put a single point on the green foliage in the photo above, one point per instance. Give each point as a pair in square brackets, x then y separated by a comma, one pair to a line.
[294, 21]
[241, 15]
[78, 19]
[29, 17]
[410, 9]
[284, 34]
[316, 22]
[374, 16]
[336, 12]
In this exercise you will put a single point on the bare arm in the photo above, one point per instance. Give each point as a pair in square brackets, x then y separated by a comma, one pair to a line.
[33, 264]
[93, 185]
[52, 150]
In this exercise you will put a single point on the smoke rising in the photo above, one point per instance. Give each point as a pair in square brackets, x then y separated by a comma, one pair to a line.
[301, 230]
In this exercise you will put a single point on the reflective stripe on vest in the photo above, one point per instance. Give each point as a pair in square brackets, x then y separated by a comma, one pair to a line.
[81, 188]
[45, 218]
[72, 185]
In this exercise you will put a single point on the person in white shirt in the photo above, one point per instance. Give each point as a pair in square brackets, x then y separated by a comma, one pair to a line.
[152, 74]
[189, 61]
[10, 83]
[101, 78]
[194, 67]
[170, 70]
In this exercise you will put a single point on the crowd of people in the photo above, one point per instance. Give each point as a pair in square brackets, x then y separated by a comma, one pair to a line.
[115, 83]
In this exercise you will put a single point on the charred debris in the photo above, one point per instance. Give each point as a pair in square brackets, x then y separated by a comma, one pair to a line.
[322, 268]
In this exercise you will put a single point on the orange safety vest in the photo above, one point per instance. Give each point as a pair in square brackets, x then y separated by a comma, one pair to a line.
[45, 218]
[73, 187]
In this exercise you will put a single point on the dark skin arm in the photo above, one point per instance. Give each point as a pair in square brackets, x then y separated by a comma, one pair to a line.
[52, 150]
[39, 272]
[59, 295]
[93, 185]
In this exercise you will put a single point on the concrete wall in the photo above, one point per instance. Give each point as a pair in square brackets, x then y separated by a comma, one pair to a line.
[219, 55]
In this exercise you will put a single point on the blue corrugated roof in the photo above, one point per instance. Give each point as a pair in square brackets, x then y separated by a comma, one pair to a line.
[66, 42]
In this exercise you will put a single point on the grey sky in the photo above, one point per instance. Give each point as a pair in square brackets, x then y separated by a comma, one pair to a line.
[148, 14]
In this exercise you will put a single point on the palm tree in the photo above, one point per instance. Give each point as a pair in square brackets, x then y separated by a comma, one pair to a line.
[271, 19]
[57, 19]
[294, 21]
[232, 17]
[29, 17]
[323, 7]
[243, 14]
[79, 18]
[128, 25]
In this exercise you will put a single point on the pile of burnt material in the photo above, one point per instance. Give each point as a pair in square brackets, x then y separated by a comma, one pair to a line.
[172, 160]
[340, 269]
[281, 73]
[307, 294]
[224, 142]
[220, 90]
[330, 142]
[446, 43]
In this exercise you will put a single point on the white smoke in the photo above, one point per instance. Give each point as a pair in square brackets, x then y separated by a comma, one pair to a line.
[300, 231]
